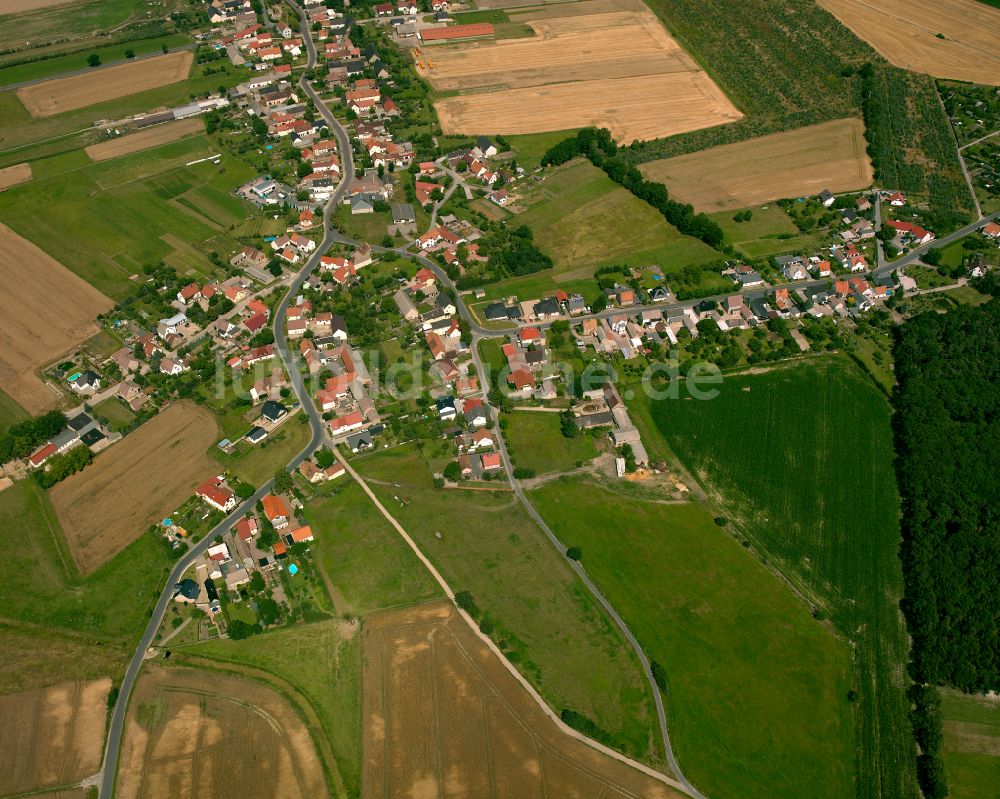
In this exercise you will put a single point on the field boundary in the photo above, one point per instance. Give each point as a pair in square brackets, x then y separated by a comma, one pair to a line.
[566, 729]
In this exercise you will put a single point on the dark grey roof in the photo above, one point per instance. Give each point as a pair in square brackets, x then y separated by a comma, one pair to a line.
[78, 422]
[402, 212]
[92, 436]
[187, 588]
[359, 440]
[444, 403]
[496, 311]
[594, 419]
[256, 434]
[546, 306]
[273, 410]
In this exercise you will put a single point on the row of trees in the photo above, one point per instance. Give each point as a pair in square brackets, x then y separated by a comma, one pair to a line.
[59, 467]
[25, 437]
[597, 145]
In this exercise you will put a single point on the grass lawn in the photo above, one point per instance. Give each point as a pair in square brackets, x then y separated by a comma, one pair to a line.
[10, 412]
[530, 147]
[582, 219]
[52, 67]
[103, 343]
[89, 217]
[43, 589]
[366, 227]
[368, 566]
[769, 231]
[116, 412]
[546, 622]
[757, 689]
[536, 441]
[801, 460]
[320, 666]
[928, 278]
[971, 745]
[257, 464]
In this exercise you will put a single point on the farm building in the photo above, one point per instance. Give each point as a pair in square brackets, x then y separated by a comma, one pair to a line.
[456, 32]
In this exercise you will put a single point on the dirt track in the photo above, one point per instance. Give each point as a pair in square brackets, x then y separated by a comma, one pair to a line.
[14, 175]
[44, 310]
[206, 735]
[796, 163]
[599, 62]
[906, 33]
[132, 484]
[144, 139]
[52, 736]
[79, 91]
[442, 716]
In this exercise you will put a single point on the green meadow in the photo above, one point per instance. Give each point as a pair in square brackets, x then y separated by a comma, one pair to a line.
[89, 215]
[756, 689]
[800, 459]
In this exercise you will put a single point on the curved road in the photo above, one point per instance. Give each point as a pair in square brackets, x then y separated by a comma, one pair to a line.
[116, 726]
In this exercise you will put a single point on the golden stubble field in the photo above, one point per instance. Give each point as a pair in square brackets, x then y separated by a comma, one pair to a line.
[207, 735]
[796, 163]
[145, 139]
[51, 736]
[906, 33]
[133, 483]
[44, 311]
[442, 716]
[79, 91]
[608, 63]
[14, 175]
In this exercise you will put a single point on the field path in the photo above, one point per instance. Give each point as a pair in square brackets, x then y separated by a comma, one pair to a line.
[551, 714]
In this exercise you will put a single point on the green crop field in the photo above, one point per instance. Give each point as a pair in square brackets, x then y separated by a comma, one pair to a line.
[581, 218]
[546, 622]
[87, 216]
[535, 441]
[43, 592]
[78, 20]
[801, 460]
[315, 663]
[10, 412]
[971, 744]
[53, 67]
[368, 566]
[757, 689]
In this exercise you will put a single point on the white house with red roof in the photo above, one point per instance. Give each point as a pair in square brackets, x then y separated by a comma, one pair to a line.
[217, 494]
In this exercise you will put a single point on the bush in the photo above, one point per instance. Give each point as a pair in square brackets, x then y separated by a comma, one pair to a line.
[523, 473]
[659, 675]
[574, 553]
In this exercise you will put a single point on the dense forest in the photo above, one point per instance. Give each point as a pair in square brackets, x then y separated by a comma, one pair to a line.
[947, 439]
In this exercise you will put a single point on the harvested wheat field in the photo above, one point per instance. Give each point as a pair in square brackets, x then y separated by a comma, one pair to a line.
[796, 163]
[906, 33]
[207, 735]
[132, 484]
[52, 736]
[19, 6]
[14, 175]
[442, 716]
[144, 139]
[44, 310]
[599, 62]
[109, 83]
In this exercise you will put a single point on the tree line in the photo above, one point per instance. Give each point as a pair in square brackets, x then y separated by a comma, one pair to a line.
[598, 146]
[947, 429]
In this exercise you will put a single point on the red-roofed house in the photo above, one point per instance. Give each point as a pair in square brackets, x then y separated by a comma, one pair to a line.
[217, 494]
[276, 511]
[39, 456]
[302, 535]
[490, 461]
[347, 423]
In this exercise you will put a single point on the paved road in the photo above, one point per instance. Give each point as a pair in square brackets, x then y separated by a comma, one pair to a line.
[96, 70]
[116, 727]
